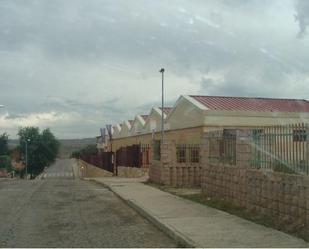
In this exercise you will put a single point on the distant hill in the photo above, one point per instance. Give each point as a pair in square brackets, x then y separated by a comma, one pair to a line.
[67, 146]
[13, 143]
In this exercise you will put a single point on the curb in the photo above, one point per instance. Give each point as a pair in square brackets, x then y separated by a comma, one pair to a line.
[167, 229]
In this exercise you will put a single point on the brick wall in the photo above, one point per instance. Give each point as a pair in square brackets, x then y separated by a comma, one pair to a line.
[279, 196]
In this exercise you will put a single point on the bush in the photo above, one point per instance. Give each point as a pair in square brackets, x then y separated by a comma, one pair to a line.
[88, 150]
[5, 162]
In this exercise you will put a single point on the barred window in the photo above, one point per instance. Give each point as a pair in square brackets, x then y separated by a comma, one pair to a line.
[194, 151]
[299, 135]
[156, 150]
[228, 146]
[257, 132]
[181, 153]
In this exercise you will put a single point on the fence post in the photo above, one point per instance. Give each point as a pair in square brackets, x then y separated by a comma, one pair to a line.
[166, 159]
[307, 148]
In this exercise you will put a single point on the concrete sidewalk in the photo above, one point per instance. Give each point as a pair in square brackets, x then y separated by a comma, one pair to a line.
[193, 224]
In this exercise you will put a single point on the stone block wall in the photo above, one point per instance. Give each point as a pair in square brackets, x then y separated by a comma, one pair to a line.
[131, 172]
[279, 196]
[183, 176]
[156, 172]
[169, 172]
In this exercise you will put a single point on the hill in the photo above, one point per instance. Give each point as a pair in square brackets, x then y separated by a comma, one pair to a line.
[67, 146]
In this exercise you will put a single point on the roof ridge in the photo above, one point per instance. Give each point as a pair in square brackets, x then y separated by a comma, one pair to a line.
[246, 97]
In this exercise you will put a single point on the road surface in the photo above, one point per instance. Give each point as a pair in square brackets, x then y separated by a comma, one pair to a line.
[61, 210]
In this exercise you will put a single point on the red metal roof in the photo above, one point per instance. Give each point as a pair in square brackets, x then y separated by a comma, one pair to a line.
[166, 110]
[253, 104]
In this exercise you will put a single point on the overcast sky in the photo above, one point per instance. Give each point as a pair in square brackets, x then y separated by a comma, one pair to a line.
[75, 65]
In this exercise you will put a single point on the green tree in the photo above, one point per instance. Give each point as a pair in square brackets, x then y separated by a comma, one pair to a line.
[50, 144]
[42, 148]
[4, 148]
[5, 162]
[90, 149]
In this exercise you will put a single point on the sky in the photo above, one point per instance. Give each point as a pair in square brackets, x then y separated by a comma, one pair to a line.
[75, 65]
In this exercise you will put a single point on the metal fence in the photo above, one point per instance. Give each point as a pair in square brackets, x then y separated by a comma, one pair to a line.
[281, 148]
[222, 147]
[129, 156]
[103, 160]
[145, 155]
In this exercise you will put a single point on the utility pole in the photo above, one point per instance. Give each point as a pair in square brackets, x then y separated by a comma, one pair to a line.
[27, 140]
[162, 106]
[113, 158]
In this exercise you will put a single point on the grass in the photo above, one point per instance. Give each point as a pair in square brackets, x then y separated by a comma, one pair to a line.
[268, 221]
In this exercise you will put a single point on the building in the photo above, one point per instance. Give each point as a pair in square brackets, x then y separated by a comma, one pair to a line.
[142, 130]
[192, 115]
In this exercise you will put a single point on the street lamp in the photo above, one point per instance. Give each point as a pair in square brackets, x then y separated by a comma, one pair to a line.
[27, 141]
[162, 106]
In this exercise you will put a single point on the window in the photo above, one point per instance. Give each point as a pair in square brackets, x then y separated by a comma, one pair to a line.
[194, 151]
[181, 153]
[299, 135]
[228, 146]
[257, 133]
[156, 150]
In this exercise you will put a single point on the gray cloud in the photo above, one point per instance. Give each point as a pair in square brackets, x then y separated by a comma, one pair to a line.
[95, 62]
[302, 16]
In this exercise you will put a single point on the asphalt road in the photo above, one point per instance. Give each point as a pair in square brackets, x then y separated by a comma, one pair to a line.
[61, 210]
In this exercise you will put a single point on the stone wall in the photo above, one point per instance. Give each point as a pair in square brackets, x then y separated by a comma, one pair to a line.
[278, 196]
[169, 172]
[131, 172]
[156, 171]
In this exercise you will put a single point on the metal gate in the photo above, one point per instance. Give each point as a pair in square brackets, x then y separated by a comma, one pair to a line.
[129, 156]
[103, 161]
[107, 161]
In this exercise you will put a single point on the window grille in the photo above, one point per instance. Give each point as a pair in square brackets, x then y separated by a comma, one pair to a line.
[228, 146]
[194, 151]
[181, 153]
[299, 135]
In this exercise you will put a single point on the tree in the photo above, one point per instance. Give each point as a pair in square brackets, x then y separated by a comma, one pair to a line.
[4, 148]
[5, 162]
[42, 148]
[90, 149]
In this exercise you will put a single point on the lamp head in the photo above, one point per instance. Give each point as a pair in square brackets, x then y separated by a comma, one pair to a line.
[162, 70]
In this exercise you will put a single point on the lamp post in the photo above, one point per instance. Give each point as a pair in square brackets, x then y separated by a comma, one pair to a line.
[27, 140]
[110, 135]
[162, 106]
